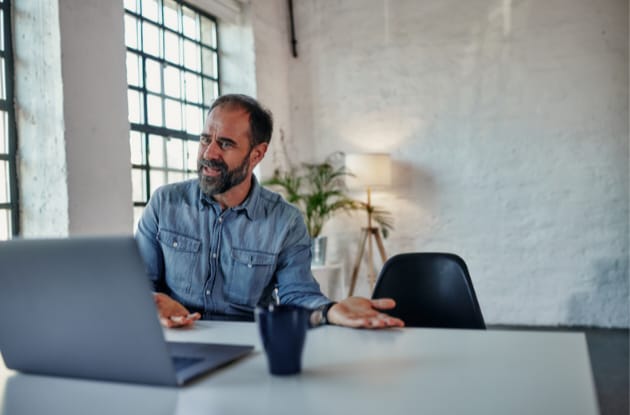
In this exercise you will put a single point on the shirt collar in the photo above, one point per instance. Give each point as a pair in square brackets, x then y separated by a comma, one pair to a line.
[250, 205]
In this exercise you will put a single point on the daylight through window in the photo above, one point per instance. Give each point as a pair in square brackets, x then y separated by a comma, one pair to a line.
[172, 77]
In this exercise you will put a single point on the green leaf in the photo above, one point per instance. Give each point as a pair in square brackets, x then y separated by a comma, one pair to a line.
[319, 191]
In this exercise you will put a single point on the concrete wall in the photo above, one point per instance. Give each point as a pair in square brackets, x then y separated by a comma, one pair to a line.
[508, 125]
[39, 117]
[73, 133]
[270, 24]
[96, 120]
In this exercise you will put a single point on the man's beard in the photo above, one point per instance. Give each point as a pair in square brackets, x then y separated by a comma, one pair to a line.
[226, 180]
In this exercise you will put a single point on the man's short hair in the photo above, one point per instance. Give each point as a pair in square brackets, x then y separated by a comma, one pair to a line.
[260, 118]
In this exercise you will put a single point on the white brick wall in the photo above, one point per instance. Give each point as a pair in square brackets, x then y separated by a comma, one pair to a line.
[508, 125]
[507, 122]
[273, 58]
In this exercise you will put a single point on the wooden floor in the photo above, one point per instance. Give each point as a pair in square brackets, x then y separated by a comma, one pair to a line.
[608, 351]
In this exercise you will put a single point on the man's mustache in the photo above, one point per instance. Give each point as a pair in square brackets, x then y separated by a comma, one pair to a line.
[214, 164]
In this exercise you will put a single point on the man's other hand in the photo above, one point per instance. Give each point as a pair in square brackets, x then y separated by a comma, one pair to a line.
[173, 314]
[362, 312]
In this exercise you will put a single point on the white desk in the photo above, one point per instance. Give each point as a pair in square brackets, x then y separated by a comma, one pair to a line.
[346, 371]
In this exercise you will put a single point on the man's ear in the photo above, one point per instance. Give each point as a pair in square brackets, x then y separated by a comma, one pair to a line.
[258, 153]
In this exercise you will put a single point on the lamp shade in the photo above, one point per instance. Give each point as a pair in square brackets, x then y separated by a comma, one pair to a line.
[369, 170]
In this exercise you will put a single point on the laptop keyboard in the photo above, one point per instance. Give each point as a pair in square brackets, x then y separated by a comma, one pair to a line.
[183, 362]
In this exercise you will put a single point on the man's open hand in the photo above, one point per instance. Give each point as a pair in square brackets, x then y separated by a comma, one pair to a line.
[362, 312]
[173, 314]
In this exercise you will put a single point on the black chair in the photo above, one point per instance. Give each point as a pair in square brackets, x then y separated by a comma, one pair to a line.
[431, 290]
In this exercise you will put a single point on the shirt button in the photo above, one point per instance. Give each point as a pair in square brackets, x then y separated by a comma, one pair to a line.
[175, 244]
[208, 292]
[214, 255]
[249, 265]
[220, 219]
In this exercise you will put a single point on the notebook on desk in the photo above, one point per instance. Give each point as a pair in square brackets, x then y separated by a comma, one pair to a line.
[82, 307]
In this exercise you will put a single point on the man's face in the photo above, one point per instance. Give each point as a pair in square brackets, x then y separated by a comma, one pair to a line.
[224, 157]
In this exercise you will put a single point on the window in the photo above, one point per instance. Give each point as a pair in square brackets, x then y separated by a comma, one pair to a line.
[172, 77]
[9, 223]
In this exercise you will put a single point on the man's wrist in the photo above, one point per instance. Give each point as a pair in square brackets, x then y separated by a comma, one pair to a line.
[319, 316]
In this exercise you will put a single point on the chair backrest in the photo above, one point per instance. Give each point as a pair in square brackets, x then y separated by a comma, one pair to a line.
[431, 290]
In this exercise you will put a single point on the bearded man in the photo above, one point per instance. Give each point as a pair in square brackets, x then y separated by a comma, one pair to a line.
[219, 245]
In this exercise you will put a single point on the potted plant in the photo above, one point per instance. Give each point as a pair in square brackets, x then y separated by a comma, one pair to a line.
[319, 191]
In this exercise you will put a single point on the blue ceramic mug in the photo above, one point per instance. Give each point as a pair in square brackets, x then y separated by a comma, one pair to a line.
[283, 333]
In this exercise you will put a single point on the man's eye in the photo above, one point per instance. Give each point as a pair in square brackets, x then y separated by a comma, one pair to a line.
[204, 140]
[225, 144]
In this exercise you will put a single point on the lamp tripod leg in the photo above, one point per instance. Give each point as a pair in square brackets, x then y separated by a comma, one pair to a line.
[370, 260]
[379, 243]
[357, 262]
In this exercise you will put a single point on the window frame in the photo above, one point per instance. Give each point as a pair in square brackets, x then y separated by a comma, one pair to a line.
[144, 128]
[7, 105]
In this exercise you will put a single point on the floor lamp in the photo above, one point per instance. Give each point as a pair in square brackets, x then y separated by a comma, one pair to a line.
[369, 171]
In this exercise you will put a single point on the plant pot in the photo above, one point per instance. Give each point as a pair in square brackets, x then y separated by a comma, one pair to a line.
[318, 250]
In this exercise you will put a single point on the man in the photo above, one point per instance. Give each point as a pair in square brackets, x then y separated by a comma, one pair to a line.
[219, 245]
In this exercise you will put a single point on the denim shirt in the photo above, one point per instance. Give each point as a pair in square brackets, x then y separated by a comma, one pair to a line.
[224, 263]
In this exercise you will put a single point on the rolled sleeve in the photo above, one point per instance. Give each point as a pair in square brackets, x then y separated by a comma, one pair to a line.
[296, 284]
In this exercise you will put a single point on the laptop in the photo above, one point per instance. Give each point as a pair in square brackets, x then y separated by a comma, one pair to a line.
[44, 395]
[83, 307]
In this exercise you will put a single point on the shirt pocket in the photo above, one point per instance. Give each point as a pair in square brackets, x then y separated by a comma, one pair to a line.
[251, 272]
[181, 259]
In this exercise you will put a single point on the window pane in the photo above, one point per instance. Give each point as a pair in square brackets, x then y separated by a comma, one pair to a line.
[150, 39]
[194, 121]
[150, 9]
[137, 148]
[4, 182]
[156, 150]
[171, 18]
[154, 75]
[135, 106]
[209, 62]
[134, 76]
[131, 5]
[191, 55]
[191, 154]
[193, 87]
[175, 153]
[154, 110]
[3, 77]
[138, 185]
[1, 29]
[175, 176]
[210, 91]
[191, 28]
[172, 82]
[131, 32]
[4, 134]
[173, 112]
[5, 224]
[158, 178]
[208, 32]
[172, 51]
